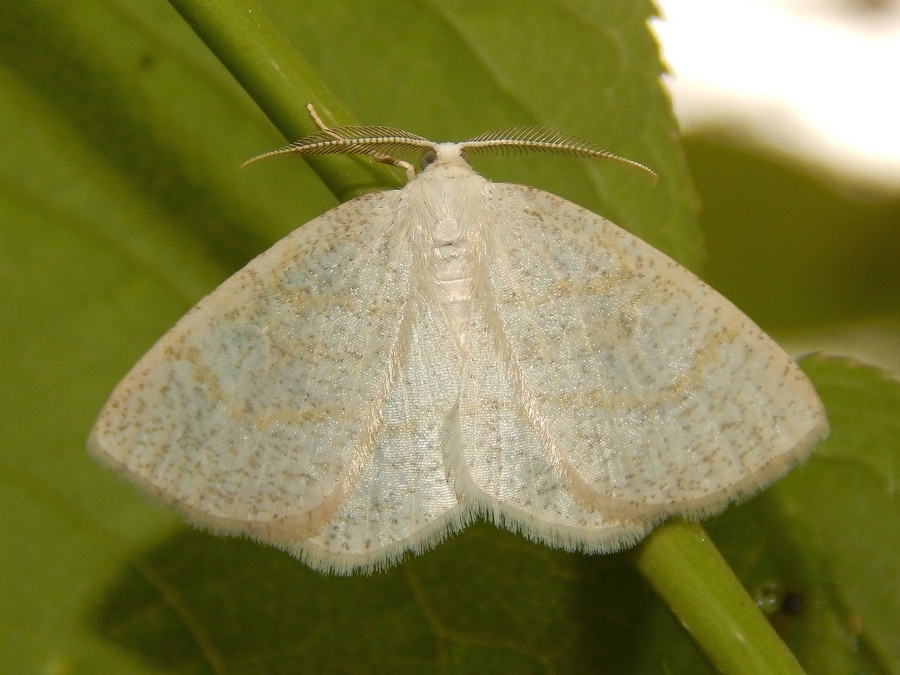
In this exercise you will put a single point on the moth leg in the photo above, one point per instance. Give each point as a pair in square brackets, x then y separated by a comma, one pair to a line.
[377, 156]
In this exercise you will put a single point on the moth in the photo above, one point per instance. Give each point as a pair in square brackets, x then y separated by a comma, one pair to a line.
[415, 358]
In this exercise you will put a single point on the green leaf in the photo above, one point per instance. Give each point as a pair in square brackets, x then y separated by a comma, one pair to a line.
[842, 511]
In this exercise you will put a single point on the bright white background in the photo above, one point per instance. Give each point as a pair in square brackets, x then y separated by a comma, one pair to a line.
[817, 79]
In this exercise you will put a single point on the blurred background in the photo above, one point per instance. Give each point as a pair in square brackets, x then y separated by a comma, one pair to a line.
[792, 132]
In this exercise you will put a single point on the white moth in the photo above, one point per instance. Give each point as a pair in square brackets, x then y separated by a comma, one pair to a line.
[415, 358]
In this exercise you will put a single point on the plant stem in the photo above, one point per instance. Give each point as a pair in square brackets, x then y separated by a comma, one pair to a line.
[268, 67]
[688, 572]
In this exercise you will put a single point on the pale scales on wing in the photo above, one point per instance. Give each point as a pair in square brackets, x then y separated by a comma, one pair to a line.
[416, 357]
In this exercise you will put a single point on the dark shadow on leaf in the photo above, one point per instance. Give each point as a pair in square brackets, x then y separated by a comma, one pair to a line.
[787, 244]
[484, 601]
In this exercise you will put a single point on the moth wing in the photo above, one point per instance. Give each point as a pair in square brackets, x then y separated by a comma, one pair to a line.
[606, 387]
[403, 500]
[274, 403]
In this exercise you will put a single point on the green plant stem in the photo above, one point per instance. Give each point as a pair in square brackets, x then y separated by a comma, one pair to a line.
[677, 559]
[268, 67]
[688, 572]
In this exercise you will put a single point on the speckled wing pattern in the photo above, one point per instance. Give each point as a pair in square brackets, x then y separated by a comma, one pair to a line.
[320, 401]
[621, 385]
[289, 405]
